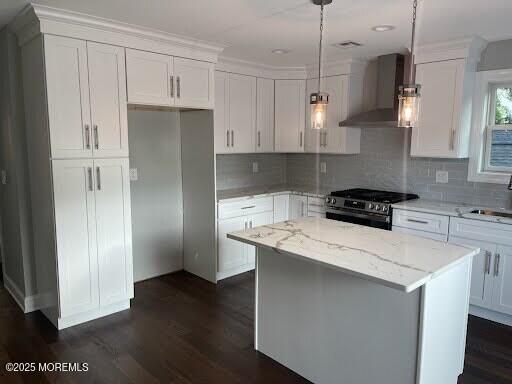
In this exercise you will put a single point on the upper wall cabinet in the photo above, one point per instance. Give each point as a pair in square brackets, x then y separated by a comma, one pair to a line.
[235, 113]
[289, 115]
[345, 98]
[446, 74]
[86, 95]
[161, 80]
[265, 115]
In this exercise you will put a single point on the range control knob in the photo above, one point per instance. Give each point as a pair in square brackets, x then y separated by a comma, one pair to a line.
[384, 208]
[333, 201]
[370, 206]
[377, 207]
[327, 200]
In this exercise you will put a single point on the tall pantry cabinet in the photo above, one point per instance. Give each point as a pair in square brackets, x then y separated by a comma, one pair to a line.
[77, 140]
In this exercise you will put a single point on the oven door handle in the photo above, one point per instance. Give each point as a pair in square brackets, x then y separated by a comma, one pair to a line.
[370, 216]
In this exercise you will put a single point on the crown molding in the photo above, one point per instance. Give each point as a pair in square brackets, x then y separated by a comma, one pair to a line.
[470, 49]
[35, 19]
[339, 67]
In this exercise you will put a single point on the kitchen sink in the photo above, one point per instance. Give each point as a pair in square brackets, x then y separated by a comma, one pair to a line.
[488, 212]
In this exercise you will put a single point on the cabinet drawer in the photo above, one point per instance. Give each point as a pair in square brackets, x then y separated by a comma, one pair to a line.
[481, 230]
[245, 207]
[421, 221]
[428, 235]
[316, 204]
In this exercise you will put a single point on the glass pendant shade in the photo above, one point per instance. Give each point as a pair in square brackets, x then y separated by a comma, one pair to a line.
[318, 102]
[408, 105]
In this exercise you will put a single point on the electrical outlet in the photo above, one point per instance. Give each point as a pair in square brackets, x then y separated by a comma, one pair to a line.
[442, 177]
[3, 177]
[134, 174]
[255, 168]
[323, 167]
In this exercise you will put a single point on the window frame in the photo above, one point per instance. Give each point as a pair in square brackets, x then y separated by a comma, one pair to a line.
[483, 124]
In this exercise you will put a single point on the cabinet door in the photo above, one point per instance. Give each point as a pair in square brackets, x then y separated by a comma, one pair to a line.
[242, 112]
[481, 278]
[77, 262]
[257, 220]
[107, 84]
[415, 232]
[67, 86]
[232, 254]
[502, 271]
[113, 228]
[265, 115]
[148, 78]
[441, 96]
[194, 83]
[298, 206]
[221, 113]
[281, 208]
[289, 115]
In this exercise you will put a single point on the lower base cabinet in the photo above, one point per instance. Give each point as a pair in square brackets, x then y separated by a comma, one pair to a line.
[93, 235]
[298, 206]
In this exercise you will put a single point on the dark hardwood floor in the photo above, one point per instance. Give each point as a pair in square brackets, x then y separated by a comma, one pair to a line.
[182, 329]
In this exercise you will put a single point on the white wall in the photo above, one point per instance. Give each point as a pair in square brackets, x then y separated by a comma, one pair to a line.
[156, 197]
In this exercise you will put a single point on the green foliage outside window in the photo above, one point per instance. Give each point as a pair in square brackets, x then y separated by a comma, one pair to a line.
[503, 106]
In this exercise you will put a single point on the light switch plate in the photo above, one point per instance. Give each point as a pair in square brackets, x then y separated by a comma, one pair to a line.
[134, 174]
[442, 177]
[323, 167]
[255, 168]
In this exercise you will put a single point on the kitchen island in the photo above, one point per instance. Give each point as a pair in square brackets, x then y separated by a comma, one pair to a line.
[343, 303]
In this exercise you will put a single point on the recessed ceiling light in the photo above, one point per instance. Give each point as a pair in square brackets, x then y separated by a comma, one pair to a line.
[383, 28]
[280, 51]
[347, 44]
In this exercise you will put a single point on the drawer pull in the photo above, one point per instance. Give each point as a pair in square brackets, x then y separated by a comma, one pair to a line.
[497, 264]
[249, 207]
[316, 205]
[418, 221]
[487, 262]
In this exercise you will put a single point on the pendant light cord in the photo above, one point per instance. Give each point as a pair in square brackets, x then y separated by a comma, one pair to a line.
[414, 12]
[320, 45]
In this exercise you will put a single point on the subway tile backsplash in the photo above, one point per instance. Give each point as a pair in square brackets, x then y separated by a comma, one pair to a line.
[384, 163]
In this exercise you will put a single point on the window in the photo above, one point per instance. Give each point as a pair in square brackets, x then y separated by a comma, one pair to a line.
[491, 138]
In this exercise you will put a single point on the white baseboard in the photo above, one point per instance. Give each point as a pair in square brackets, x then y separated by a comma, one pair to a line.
[490, 315]
[66, 322]
[26, 303]
[15, 292]
[234, 272]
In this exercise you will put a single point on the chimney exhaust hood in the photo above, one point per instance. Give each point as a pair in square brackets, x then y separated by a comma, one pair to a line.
[390, 74]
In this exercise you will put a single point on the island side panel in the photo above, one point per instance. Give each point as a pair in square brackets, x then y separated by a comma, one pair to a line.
[331, 327]
[443, 325]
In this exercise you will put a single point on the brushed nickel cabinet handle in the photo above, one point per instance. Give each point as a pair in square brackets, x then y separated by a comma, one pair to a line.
[98, 178]
[497, 264]
[232, 138]
[325, 139]
[87, 136]
[250, 224]
[227, 138]
[178, 84]
[300, 139]
[172, 86]
[487, 262]
[452, 140]
[96, 138]
[259, 139]
[250, 206]
[245, 225]
[89, 175]
[417, 221]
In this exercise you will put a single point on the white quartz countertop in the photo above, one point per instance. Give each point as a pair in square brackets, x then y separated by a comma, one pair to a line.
[261, 191]
[453, 209]
[396, 260]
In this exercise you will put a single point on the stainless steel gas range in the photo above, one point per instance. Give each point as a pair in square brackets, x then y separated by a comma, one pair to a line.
[364, 206]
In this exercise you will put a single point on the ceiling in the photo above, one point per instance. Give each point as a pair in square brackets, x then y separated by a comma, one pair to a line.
[251, 29]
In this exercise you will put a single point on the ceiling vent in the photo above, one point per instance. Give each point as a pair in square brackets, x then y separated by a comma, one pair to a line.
[347, 44]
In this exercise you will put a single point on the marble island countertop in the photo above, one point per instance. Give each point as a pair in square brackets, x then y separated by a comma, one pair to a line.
[262, 191]
[396, 260]
[453, 209]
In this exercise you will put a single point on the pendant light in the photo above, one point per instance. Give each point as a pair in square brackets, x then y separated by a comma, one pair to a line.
[409, 94]
[319, 100]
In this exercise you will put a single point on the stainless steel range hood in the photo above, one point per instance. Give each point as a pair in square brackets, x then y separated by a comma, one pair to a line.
[390, 75]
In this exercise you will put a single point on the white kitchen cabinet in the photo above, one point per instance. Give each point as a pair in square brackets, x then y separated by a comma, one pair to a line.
[93, 233]
[281, 208]
[194, 83]
[444, 123]
[502, 270]
[416, 232]
[148, 78]
[107, 85]
[162, 80]
[86, 87]
[298, 206]
[289, 115]
[264, 115]
[316, 207]
[344, 99]
[235, 113]
[232, 254]
[75, 230]
[67, 90]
